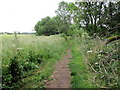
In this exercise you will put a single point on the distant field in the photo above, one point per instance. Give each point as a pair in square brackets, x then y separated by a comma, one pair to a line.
[19, 35]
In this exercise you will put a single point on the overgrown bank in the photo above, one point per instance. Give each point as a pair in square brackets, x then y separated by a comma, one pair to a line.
[81, 77]
[94, 64]
[27, 61]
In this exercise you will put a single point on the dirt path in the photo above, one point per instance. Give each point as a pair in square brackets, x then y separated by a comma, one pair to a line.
[61, 76]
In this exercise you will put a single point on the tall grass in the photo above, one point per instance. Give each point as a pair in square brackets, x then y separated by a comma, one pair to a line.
[0, 61]
[80, 75]
[101, 61]
[20, 55]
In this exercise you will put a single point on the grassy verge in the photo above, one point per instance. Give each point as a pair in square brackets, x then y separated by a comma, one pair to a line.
[95, 64]
[27, 61]
[39, 76]
[81, 77]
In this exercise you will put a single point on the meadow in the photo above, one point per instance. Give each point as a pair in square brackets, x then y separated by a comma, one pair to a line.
[27, 61]
[23, 55]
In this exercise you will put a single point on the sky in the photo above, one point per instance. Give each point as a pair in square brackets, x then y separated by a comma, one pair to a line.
[22, 15]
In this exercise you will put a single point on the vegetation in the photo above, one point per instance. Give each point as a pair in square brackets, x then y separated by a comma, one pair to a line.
[81, 77]
[50, 26]
[110, 39]
[96, 17]
[98, 20]
[96, 63]
[92, 31]
[27, 53]
[101, 18]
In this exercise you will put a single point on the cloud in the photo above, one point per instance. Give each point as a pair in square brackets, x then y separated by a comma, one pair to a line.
[22, 15]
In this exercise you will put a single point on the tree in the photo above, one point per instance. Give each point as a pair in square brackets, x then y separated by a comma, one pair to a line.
[40, 27]
[49, 26]
[96, 17]
[64, 14]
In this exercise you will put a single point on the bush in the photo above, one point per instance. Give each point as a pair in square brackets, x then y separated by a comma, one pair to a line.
[32, 52]
[75, 31]
[15, 69]
[29, 66]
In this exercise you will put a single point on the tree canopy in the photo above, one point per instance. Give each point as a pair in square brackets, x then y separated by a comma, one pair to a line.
[48, 26]
[101, 18]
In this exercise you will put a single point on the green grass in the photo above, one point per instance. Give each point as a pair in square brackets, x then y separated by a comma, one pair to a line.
[80, 75]
[33, 57]
[95, 64]
[39, 77]
[27, 61]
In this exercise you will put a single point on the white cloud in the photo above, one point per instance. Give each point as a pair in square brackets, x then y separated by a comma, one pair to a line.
[22, 15]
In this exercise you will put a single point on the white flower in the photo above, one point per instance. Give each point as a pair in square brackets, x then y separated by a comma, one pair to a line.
[89, 51]
[19, 48]
[100, 51]
[96, 63]
[13, 45]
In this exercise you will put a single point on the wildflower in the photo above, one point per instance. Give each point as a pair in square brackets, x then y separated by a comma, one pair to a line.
[101, 51]
[13, 45]
[89, 51]
[19, 48]
[96, 63]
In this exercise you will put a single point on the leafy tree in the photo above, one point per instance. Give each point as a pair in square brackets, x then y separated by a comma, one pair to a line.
[101, 18]
[64, 14]
[40, 27]
[96, 17]
[49, 26]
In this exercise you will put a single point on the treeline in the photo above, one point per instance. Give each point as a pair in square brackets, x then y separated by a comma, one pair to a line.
[11, 33]
[101, 18]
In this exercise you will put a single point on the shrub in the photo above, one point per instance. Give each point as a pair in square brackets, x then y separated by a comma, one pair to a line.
[15, 69]
[29, 66]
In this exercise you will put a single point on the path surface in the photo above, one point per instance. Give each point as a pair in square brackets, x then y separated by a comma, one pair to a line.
[61, 76]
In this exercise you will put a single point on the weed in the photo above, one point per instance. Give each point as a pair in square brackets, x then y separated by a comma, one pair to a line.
[23, 55]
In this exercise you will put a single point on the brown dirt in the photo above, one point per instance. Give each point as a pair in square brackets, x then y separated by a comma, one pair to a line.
[61, 76]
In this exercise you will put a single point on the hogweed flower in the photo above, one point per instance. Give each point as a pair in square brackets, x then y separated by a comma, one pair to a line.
[13, 45]
[19, 48]
[96, 63]
[89, 51]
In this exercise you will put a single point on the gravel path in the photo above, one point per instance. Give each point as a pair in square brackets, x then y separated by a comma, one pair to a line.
[61, 76]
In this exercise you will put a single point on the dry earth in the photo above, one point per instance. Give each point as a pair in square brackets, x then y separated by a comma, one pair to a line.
[61, 76]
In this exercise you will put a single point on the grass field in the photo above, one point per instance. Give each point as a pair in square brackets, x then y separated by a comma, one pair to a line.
[27, 61]
[21, 55]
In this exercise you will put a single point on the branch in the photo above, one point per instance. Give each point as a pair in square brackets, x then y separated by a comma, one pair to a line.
[114, 38]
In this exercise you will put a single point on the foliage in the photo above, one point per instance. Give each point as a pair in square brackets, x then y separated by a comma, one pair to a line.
[22, 57]
[102, 61]
[64, 13]
[50, 26]
[30, 59]
[101, 18]
[75, 31]
[110, 39]
[15, 69]
[80, 75]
